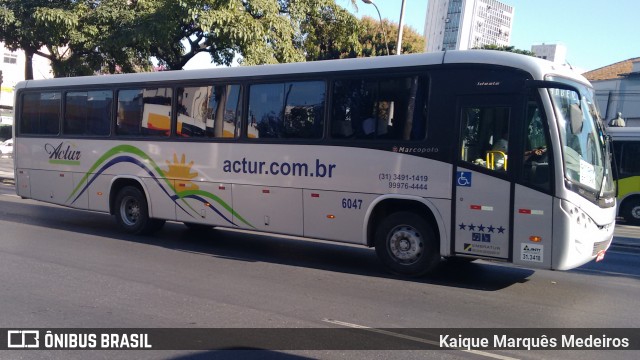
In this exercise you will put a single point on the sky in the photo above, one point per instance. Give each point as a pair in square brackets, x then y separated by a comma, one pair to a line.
[596, 33]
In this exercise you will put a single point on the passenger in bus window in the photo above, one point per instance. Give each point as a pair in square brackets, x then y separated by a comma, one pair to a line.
[502, 144]
[538, 155]
[500, 149]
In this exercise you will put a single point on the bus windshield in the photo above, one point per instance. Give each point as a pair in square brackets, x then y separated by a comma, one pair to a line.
[585, 154]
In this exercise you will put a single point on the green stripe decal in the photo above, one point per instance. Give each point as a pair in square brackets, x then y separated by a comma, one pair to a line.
[117, 150]
[221, 202]
[129, 149]
[64, 162]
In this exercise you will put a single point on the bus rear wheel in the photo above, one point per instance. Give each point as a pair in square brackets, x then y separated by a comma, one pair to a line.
[407, 244]
[132, 212]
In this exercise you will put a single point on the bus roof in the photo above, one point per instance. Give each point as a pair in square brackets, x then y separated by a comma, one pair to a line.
[538, 68]
[624, 133]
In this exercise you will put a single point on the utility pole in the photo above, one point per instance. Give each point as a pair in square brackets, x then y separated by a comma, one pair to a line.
[400, 29]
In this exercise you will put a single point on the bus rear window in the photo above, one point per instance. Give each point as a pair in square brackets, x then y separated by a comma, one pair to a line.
[40, 113]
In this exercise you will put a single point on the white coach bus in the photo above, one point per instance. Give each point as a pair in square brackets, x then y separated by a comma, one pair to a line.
[457, 154]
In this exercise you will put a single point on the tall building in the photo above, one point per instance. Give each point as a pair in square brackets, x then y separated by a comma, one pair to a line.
[552, 52]
[467, 24]
[12, 67]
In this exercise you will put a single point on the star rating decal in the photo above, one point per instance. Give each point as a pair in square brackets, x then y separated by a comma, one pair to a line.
[482, 228]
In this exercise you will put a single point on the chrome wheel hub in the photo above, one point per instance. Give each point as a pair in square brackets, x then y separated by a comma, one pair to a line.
[130, 210]
[405, 244]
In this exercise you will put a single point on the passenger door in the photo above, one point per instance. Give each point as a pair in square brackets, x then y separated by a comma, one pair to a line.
[482, 187]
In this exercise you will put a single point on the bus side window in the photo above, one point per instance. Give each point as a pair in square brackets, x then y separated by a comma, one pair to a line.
[536, 169]
[209, 111]
[40, 113]
[291, 110]
[144, 112]
[87, 112]
[629, 160]
[391, 108]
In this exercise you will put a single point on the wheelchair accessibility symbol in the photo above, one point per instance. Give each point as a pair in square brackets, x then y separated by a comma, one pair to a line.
[463, 178]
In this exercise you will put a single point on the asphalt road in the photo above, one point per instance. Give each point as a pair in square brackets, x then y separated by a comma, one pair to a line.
[63, 268]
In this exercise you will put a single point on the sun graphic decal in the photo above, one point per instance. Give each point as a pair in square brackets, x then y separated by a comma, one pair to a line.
[181, 171]
[175, 182]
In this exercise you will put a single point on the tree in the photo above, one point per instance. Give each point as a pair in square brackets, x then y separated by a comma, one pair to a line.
[372, 40]
[21, 27]
[331, 33]
[506, 48]
[81, 37]
[258, 31]
[74, 35]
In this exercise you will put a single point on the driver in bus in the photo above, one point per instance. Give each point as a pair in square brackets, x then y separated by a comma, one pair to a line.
[501, 145]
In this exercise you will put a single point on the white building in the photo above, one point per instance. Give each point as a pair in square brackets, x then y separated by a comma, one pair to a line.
[467, 24]
[12, 66]
[552, 52]
[618, 90]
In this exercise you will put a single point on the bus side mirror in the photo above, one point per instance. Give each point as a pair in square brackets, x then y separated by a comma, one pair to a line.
[575, 118]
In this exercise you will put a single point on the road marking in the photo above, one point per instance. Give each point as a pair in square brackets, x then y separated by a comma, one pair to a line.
[11, 195]
[413, 338]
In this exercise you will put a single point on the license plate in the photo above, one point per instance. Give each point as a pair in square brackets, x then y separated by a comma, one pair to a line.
[600, 256]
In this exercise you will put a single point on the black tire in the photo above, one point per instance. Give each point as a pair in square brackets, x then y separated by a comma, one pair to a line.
[631, 210]
[132, 212]
[407, 244]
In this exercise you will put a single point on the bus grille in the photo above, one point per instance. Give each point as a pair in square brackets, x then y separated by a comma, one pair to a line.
[599, 246]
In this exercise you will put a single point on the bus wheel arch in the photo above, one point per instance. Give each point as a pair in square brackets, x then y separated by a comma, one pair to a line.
[129, 203]
[406, 236]
[630, 209]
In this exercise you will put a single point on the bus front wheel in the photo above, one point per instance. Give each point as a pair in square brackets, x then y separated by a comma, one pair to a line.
[407, 244]
[132, 212]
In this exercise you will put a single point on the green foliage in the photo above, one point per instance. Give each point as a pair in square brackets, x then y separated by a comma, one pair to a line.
[506, 48]
[372, 38]
[257, 31]
[74, 35]
[82, 37]
[330, 33]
